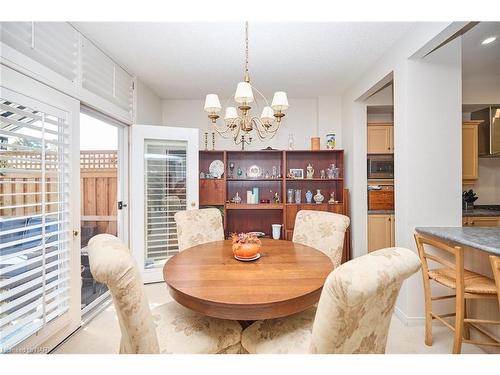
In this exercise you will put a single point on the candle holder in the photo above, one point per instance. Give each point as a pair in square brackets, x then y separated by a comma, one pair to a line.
[206, 141]
[213, 141]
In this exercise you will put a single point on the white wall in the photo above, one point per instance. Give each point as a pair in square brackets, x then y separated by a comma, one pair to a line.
[435, 197]
[305, 118]
[487, 187]
[148, 105]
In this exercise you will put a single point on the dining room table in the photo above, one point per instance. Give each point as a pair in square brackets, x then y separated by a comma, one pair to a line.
[286, 279]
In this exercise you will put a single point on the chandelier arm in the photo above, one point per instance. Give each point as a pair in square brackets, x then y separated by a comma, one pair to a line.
[262, 95]
[271, 133]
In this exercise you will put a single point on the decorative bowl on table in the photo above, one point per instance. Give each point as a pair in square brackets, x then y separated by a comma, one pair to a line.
[246, 246]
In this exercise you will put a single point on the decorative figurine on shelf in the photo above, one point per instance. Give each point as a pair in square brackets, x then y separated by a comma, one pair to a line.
[330, 171]
[332, 198]
[202, 175]
[239, 172]
[236, 198]
[275, 172]
[231, 170]
[290, 195]
[309, 196]
[267, 174]
[309, 171]
[323, 176]
[318, 198]
[279, 172]
[276, 198]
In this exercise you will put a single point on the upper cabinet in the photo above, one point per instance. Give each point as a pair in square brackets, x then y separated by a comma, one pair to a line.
[380, 138]
[470, 156]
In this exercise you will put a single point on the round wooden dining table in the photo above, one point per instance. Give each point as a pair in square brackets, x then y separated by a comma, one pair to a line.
[286, 279]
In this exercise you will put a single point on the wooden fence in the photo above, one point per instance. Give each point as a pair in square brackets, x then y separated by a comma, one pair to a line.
[21, 190]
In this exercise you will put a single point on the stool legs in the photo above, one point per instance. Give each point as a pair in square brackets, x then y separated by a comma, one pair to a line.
[459, 320]
[466, 326]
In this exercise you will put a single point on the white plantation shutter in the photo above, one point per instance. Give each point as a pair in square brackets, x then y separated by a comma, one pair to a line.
[52, 44]
[103, 77]
[165, 184]
[35, 235]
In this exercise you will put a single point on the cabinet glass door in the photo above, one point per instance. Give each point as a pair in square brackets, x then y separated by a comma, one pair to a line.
[165, 166]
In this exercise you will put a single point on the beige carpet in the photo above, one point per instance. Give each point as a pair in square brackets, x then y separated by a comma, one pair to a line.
[102, 334]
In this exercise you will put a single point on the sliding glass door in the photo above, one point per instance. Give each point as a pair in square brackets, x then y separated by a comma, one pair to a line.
[39, 282]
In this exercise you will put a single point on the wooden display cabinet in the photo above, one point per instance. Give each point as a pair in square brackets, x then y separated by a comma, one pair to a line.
[245, 217]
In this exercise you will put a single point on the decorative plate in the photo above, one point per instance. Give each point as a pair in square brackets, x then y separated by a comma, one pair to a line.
[257, 256]
[216, 168]
[254, 171]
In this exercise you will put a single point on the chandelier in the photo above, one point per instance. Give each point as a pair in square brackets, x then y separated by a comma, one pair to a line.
[239, 125]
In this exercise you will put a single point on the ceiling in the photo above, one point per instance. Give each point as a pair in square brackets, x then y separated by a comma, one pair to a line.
[189, 60]
[479, 61]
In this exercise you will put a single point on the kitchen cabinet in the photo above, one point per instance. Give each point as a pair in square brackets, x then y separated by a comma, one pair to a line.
[380, 138]
[481, 221]
[380, 231]
[470, 151]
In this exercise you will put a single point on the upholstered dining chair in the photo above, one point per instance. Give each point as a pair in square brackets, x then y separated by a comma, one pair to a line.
[324, 231]
[169, 328]
[353, 314]
[196, 227]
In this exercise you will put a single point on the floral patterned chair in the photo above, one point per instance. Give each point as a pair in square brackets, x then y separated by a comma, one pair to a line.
[196, 227]
[169, 328]
[353, 314]
[322, 230]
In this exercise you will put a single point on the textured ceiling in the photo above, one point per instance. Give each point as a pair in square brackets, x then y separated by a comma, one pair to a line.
[188, 60]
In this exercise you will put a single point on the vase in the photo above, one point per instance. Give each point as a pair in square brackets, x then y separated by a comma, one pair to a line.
[298, 196]
[309, 196]
[318, 198]
[290, 195]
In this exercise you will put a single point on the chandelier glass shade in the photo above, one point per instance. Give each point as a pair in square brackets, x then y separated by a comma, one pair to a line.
[239, 122]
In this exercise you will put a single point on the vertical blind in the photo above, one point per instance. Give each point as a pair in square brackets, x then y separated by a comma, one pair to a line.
[35, 235]
[165, 182]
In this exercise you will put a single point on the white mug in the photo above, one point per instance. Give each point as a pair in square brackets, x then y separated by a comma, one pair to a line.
[276, 231]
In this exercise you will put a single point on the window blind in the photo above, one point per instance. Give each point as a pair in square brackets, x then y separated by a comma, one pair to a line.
[53, 44]
[101, 76]
[165, 182]
[35, 231]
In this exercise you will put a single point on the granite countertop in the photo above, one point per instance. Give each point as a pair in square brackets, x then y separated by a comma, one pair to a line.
[481, 238]
[380, 212]
[481, 212]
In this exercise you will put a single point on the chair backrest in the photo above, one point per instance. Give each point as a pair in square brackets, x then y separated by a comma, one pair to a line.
[495, 266]
[196, 227]
[111, 263]
[357, 302]
[324, 231]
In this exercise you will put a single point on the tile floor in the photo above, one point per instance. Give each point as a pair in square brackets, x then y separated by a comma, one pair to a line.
[102, 334]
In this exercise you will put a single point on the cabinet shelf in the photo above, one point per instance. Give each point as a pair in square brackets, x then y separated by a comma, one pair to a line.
[315, 179]
[260, 206]
[255, 179]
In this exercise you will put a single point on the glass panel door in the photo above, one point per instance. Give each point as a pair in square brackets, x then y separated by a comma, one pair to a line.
[37, 262]
[166, 163]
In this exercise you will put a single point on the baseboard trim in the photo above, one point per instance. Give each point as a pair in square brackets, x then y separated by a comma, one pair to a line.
[410, 321]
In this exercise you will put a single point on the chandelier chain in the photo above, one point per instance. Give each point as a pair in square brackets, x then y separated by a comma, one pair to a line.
[247, 76]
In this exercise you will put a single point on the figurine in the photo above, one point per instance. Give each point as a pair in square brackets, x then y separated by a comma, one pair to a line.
[332, 198]
[275, 173]
[239, 172]
[202, 175]
[236, 198]
[231, 169]
[323, 176]
[310, 171]
[318, 198]
[276, 198]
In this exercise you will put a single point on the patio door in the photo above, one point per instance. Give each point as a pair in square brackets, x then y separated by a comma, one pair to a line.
[39, 216]
[164, 180]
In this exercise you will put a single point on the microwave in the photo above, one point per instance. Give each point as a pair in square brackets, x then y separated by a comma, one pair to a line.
[380, 166]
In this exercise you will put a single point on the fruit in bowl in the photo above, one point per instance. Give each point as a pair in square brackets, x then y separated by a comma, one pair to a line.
[246, 245]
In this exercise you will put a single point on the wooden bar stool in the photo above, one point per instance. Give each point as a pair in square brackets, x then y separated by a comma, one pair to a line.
[495, 266]
[467, 285]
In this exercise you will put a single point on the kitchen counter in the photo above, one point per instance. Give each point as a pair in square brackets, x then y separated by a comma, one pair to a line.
[481, 238]
[480, 212]
[380, 212]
